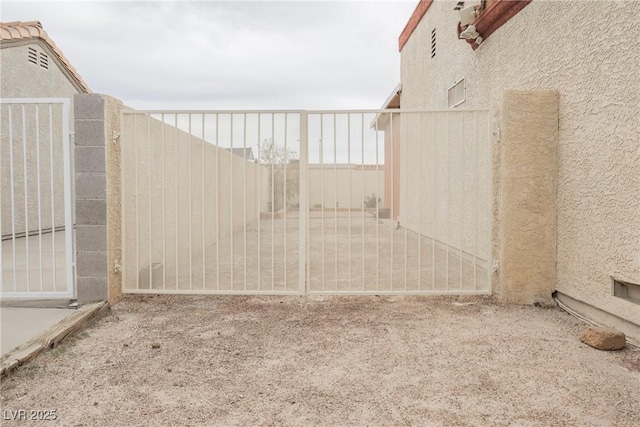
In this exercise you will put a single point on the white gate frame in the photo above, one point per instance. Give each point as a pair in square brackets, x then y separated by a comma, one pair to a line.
[70, 289]
[304, 255]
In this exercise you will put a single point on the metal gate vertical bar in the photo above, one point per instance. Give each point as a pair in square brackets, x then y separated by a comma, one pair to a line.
[39, 197]
[231, 265]
[135, 146]
[304, 202]
[393, 203]
[53, 234]
[26, 197]
[218, 210]
[420, 197]
[273, 200]
[335, 190]
[244, 196]
[190, 217]
[475, 203]
[286, 178]
[175, 124]
[150, 265]
[13, 203]
[433, 178]
[349, 207]
[204, 249]
[68, 201]
[405, 160]
[123, 203]
[377, 206]
[461, 208]
[362, 196]
[448, 196]
[322, 192]
[164, 212]
[260, 205]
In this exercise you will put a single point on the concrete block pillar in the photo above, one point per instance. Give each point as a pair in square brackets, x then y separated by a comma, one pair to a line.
[528, 199]
[97, 226]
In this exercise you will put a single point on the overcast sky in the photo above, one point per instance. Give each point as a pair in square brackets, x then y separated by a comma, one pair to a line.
[229, 55]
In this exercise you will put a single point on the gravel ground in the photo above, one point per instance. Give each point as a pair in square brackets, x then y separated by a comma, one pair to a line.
[328, 361]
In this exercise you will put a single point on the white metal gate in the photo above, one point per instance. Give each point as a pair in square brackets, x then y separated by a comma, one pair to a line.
[339, 202]
[36, 216]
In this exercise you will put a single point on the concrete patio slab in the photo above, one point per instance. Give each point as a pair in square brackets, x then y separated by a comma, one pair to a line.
[19, 325]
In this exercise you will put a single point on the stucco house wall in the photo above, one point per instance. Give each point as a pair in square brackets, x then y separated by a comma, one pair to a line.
[586, 53]
[21, 78]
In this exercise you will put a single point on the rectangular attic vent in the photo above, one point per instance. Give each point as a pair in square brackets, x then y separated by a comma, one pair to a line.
[456, 94]
[433, 43]
[44, 61]
[32, 55]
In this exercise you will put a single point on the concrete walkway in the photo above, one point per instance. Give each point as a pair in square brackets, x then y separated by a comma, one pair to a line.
[19, 325]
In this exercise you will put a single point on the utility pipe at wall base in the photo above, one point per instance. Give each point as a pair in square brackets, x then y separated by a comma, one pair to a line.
[629, 341]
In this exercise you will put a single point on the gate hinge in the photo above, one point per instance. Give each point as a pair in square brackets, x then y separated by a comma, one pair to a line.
[496, 266]
[496, 134]
[115, 136]
[117, 267]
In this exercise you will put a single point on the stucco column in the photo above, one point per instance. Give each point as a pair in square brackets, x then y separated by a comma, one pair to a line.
[97, 196]
[528, 199]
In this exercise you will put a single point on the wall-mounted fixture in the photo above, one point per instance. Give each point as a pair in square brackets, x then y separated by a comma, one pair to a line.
[469, 33]
[469, 14]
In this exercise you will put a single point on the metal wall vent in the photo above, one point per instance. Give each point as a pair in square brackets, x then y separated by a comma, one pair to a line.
[626, 290]
[457, 93]
[32, 55]
[433, 43]
[44, 60]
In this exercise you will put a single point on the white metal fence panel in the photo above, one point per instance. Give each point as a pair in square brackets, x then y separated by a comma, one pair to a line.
[306, 201]
[36, 216]
[209, 202]
[417, 212]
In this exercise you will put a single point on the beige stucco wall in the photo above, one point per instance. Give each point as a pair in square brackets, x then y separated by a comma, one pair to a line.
[587, 54]
[21, 79]
[528, 185]
[112, 130]
[327, 185]
[43, 145]
[187, 195]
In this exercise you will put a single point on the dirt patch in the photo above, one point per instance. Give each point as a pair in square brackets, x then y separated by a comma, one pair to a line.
[328, 361]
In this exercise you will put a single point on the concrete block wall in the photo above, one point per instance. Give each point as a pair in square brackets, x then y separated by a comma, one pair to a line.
[94, 126]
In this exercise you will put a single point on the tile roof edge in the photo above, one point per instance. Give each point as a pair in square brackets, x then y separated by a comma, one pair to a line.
[16, 31]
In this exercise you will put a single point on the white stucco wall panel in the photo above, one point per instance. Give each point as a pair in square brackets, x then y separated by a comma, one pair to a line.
[585, 50]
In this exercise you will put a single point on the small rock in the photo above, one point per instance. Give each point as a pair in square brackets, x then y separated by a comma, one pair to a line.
[95, 403]
[169, 370]
[155, 345]
[125, 345]
[603, 338]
